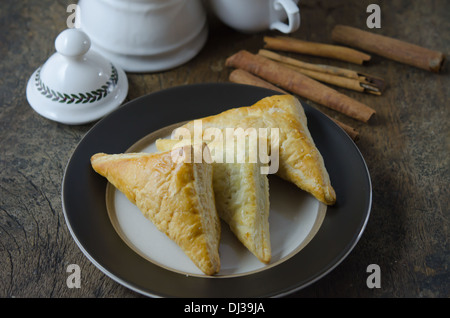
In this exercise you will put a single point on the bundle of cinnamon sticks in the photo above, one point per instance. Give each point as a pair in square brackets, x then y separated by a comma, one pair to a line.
[285, 74]
[336, 76]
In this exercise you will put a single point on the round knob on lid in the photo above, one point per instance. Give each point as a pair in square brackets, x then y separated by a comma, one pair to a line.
[72, 42]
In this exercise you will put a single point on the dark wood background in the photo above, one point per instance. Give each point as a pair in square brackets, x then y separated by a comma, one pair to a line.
[406, 147]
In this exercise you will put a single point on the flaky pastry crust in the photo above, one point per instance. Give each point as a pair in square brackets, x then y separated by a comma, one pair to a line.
[300, 162]
[176, 196]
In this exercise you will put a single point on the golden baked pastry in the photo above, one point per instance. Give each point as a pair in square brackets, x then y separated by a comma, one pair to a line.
[242, 197]
[177, 196]
[300, 162]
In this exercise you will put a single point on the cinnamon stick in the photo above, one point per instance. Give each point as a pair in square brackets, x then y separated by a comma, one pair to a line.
[243, 77]
[309, 66]
[344, 82]
[316, 49]
[299, 84]
[390, 48]
[352, 132]
[337, 76]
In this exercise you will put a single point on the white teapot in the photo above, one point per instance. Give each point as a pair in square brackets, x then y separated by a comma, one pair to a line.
[145, 35]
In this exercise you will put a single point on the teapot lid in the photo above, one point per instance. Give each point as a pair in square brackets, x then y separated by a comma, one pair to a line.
[76, 85]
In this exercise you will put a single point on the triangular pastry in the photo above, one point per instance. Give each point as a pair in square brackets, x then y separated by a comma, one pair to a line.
[177, 196]
[242, 197]
[300, 162]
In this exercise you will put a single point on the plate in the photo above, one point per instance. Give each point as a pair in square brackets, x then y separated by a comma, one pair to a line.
[313, 246]
[294, 217]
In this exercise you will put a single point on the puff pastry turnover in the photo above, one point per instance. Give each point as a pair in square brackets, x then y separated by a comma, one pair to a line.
[177, 196]
[300, 162]
[242, 198]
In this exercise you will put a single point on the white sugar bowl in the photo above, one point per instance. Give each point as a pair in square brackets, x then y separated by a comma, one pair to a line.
[145, 35]
[76, 85]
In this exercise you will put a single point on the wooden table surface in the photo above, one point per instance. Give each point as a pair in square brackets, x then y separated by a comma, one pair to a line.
[406, 147]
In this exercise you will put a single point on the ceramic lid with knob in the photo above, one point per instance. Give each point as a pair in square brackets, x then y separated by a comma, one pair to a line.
[76, 85]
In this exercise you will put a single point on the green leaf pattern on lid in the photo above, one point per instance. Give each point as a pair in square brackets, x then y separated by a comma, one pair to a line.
[80, 98]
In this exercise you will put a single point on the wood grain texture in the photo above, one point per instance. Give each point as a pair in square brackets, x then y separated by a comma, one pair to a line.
[406, 147]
